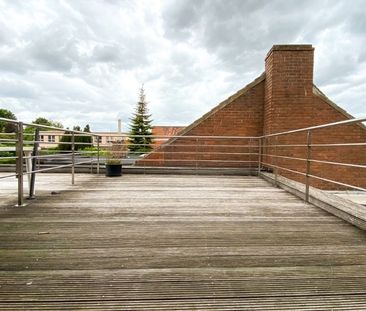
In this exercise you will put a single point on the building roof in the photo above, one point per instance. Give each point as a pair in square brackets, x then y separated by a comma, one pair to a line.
[166, 130]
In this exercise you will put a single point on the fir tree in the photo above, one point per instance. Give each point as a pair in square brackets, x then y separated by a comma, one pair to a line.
[140, 126]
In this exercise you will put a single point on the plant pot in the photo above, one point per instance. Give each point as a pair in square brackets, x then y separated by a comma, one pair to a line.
[113, 170]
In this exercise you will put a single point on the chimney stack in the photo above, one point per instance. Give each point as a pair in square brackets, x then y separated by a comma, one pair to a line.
[288, 88]
[119, 126]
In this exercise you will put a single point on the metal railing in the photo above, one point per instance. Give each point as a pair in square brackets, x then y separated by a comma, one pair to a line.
[309, 146]
[25, 147]
[259, 154]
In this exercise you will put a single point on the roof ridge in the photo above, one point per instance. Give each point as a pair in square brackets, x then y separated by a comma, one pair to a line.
[319, 93]
[218, 107]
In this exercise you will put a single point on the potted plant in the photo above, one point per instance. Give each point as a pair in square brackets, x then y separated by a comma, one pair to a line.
[113, 164]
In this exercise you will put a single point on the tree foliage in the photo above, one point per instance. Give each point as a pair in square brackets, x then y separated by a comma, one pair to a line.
[140, 126]
[78, 139]
[6, 127]
[43, 121]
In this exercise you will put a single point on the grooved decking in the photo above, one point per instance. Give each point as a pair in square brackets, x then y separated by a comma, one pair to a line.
[158, 242]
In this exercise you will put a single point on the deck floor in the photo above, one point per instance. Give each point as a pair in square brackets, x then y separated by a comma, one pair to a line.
[157, 242]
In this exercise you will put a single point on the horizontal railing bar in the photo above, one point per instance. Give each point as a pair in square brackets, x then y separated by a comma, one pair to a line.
[194, 160]
[57, 167]
[283, 168]
[9, 120]
[318, 145]
[49, 156]
[55, 143]
[66, 135]
[8, 176]
[269, 145]
[284, 157]
[311, 128]
[186, 136]
[337, 182]
[185, 152]
[5, 140]
[1, 158]
[338, 145]
[44, 127]
[56, 129]
[49, 168]
[339, 163]
[185, 145]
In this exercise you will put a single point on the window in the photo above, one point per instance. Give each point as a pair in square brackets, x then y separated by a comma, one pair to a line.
[41, 138]
[51, 138]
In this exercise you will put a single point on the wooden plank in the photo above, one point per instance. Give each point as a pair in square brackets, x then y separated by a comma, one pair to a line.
[176, 243]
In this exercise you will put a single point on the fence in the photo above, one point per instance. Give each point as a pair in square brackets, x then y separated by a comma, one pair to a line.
[24, 144]
[297, 154]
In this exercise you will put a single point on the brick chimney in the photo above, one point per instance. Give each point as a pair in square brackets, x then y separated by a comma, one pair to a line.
[288, 88]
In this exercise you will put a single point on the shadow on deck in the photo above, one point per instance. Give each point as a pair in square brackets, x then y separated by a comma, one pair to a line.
[177, 242]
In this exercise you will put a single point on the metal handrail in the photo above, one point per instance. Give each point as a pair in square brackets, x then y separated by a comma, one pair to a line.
[316, 127]
[20, 142]
[262, 147]
[309, 145]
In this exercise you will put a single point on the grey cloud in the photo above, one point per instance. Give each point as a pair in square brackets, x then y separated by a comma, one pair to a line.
[131, 53]
[79, 60]
[55, 50]
[17, 89]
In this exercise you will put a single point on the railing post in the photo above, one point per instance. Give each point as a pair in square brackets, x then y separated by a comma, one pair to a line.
[33, 166]
[276, 161]
[196, 155]
[259, 155]
[308, 162]
[98, 155]
[73, 158]
[19, 163]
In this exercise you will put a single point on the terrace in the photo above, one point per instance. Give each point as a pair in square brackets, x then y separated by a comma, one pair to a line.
[172, 242]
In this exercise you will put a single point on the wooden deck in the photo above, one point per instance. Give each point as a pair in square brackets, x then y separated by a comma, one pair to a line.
[156, 242]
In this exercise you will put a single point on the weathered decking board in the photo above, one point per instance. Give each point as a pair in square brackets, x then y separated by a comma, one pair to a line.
[176, 243]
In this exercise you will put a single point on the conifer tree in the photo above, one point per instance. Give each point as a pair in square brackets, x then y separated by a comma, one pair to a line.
[141, 126]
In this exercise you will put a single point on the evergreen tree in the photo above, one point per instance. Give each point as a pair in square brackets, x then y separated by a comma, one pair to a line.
[140, 125]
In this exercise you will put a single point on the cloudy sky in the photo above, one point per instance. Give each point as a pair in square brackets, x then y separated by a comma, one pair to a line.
[83, 61]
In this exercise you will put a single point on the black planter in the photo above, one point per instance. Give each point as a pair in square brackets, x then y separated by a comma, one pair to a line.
[113, 170]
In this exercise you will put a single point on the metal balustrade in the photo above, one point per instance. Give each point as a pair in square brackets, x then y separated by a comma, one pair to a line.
[260, 153]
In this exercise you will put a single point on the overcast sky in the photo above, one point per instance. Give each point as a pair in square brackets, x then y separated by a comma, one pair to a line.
[83, 61]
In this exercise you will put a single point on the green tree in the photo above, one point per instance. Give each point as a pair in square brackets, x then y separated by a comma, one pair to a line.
[79, 140]
[140, 125]
[66, 138]
[46, 122]
[6, 127]
[87, 139]
[42, 121]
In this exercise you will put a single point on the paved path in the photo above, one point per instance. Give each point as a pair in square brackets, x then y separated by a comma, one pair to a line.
[158, 242]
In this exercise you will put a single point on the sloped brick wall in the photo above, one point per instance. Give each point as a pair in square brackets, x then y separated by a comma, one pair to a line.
[282, 99]
[238, 116]
[292, 102]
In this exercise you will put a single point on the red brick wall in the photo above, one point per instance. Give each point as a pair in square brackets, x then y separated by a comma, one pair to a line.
[284, 100]
[288, 88]
[290, 103]
[243, 116]
[324, 113]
